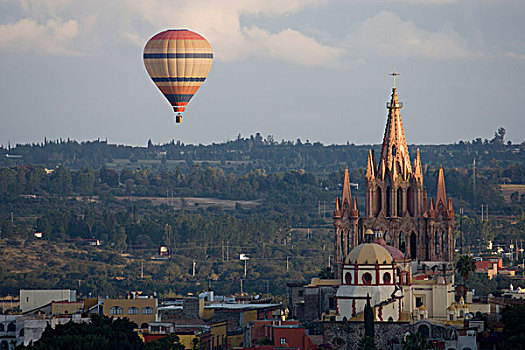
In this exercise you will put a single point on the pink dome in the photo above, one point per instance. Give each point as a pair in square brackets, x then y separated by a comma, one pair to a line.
[396, 254]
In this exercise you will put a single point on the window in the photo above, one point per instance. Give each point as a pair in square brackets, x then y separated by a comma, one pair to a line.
[21, 333]
[402, 244]
[11, 327]
[367, 278]
[1, 327]
[388, 202]
[301, 293]
[331, 303]
[133, 311]
[348, 278]
[283, 340]
[388, 239]
[400, 202]
[419, 301]
[116, 310]
[147, 310]
[386, 278]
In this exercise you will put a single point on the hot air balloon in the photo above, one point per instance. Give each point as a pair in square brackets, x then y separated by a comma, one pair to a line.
[178, 61]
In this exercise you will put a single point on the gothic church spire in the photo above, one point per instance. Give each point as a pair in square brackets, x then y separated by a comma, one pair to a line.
[395, 150]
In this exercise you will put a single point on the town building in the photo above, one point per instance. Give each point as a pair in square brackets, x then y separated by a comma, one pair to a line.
[137, 308]
[396, 204]
[33, 299]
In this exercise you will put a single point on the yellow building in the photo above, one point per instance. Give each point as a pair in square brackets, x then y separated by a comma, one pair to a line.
[139, 310]
[66, 307]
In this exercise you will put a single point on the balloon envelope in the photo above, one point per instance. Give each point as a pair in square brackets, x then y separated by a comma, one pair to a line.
[178, 61]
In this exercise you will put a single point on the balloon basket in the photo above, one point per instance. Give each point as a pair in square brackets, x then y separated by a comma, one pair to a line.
[178, 118]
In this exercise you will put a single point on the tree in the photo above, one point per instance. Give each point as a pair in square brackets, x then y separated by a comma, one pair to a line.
[102, 333]
[415, 341]
[514, 327]
[169, 342]
[465, 266]
[325, 273]
[366, 343]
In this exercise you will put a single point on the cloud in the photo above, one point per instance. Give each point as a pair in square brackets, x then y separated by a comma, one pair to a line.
[387, 35]
[292, 46]
[135, 21]
[220, 22]
[48, 27]
[27, 35]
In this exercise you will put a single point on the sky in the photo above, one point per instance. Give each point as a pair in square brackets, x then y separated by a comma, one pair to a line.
[317, 70]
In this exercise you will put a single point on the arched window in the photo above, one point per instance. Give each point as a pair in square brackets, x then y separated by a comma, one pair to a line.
[386, 278]
[402, 244]
[133, 311]
[4, 345]
[427, 248]
[11, 327]
[21, 333]
[1, 327]
[413, 245]
[410, 201]
[147, 310]
[393, 151]
[367, 278]
[436, 243]
[116, 310]
[379, 201]
[388, 238]
[388, 202]
[348, 278]
[400, 202]
[444, 240]
[144, 325]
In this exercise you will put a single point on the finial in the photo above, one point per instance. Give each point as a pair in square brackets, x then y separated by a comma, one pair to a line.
[394, 74]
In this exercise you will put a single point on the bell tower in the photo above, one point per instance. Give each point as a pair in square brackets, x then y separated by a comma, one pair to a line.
[396, 201]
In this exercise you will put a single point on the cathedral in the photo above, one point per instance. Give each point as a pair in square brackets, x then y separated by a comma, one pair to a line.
[397, 208]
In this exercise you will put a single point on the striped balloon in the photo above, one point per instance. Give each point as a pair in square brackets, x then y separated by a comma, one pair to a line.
[178, 62]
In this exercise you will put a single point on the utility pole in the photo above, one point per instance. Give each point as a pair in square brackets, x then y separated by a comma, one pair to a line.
[474, 179]
[222, 246]
[142, 270]
[241, 287]
[287, 263]
[193, 269]
[227, 251]
[329, 261]
[461, 229]
[482, 207]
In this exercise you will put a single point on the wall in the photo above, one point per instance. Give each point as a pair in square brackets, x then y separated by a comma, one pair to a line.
[32, 299]
[125, 304]
[346, 335]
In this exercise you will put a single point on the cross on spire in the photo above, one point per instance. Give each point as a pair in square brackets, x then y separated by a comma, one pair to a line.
[394, 74]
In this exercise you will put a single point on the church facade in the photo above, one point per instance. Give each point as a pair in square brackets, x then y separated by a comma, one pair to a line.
[397, 207]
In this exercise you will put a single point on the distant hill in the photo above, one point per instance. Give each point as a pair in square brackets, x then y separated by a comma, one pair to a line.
[242, 155]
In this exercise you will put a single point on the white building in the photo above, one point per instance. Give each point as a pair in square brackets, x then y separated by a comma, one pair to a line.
[32, 299]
